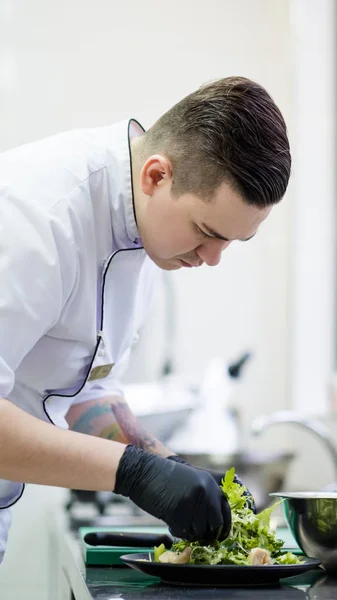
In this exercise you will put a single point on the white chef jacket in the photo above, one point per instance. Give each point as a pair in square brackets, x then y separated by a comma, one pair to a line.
[75, 280]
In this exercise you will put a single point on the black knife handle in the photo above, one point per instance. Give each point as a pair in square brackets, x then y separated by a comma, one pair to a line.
[121, 538]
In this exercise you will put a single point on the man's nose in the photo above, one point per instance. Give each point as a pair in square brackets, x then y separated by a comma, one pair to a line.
[210, 251]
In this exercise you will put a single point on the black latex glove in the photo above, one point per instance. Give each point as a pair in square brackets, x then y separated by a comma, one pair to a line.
[218, 478]
[187, 499]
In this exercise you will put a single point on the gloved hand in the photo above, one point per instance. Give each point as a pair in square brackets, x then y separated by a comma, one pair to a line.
[187, 499]
[218, 478]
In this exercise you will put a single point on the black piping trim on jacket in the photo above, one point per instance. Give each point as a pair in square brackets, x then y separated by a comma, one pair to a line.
[129, 144]
[102, 310]
[111, 257]
[15, 501]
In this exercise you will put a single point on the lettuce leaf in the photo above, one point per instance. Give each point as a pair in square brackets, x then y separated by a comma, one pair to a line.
[158, 551]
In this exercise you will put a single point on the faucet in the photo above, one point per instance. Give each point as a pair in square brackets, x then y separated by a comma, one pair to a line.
[261, 423]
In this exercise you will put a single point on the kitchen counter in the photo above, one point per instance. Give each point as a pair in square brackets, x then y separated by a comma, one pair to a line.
[71, 580]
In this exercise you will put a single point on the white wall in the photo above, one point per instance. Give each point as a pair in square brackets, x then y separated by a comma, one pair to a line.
[77, 63]
[313, 216]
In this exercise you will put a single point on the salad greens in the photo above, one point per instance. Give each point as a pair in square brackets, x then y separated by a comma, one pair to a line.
[324, 515]
[249, 531]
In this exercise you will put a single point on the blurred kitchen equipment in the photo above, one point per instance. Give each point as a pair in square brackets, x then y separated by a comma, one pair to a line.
[213, 413]
[164, 405]
[211, 438]
[262, 472]
[263, 422]
[99, 500]
[312, 518]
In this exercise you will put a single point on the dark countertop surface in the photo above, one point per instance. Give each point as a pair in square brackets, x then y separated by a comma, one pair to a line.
[110, 583]
[105, 585]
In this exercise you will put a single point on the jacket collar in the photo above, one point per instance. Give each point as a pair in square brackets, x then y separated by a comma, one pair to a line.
[123, 216]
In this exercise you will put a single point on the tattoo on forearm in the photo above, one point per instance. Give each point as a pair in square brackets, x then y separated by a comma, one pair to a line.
[113, 432]
[131, 428]
[99, 421]
[113, 420]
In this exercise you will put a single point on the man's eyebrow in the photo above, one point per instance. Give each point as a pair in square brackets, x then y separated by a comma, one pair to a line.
[221, 237]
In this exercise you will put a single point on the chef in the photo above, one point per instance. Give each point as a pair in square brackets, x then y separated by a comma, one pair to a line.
[87, 220]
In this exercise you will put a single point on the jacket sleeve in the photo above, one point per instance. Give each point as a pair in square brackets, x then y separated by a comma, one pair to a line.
[32, 290]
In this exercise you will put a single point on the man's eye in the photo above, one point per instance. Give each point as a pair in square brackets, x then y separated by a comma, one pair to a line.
[203, 233]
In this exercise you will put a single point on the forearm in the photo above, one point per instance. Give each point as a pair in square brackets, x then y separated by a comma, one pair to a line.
[33, 451]
[111, 418]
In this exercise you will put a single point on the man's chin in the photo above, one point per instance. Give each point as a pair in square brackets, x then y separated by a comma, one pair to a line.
[168, 264]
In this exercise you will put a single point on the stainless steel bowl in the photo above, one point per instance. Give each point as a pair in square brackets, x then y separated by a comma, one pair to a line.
[312, 518]
[261, 472]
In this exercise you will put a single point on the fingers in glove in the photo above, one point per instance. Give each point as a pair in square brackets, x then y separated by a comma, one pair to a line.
[200, 525]
[199, 528]
[200, 517]
[177, 530]
[227, 520]
[206, 528]
[218, 518]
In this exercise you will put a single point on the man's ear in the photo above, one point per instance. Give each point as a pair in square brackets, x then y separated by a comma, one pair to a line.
[156, 171]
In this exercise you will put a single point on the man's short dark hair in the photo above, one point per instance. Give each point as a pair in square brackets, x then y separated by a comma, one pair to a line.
[230, 131]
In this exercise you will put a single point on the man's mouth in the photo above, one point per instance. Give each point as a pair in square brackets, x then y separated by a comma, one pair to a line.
[185, 263]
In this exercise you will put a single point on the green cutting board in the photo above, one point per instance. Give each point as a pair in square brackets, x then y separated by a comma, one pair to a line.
[289, 541]
[110, 555]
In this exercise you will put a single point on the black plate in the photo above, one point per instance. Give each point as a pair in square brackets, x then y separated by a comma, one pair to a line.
[212, 575]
